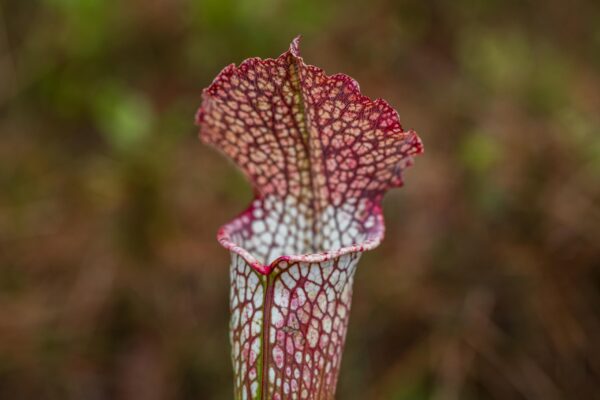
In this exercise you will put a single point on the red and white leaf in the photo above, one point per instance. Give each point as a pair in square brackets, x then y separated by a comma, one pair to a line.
[320, 157]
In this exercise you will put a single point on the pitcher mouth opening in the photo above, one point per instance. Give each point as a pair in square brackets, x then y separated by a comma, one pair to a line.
[261, 237]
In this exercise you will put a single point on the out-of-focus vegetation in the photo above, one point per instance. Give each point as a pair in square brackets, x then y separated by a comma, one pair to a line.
[112, 285]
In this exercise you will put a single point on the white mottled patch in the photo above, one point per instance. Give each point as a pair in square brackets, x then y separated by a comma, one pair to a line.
[281, 296]
[272, 335]
[301, 297]
[278, 356]
[258, 226]
[258, 297]
[315, 274]
[276, 318]
[322, 302]
[287, 279]
[293, 271]
[335, 276]
[256, 324]
[327, 324]
[312, 336]
[312, 290]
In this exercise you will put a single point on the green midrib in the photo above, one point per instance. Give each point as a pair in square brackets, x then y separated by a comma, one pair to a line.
[264, 339]
[300, 119]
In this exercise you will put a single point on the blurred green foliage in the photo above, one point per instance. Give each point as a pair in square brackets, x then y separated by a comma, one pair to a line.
[124, 118]
[113, 287]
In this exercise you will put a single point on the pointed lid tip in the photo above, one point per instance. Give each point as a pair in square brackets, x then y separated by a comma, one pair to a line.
[295, 46]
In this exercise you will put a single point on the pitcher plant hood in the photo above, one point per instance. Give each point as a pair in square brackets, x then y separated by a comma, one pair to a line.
[318, 153]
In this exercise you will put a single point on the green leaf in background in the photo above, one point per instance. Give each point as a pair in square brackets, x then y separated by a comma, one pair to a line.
[417, 389]
[478, 152]
[500, 61]
[124, 116]
[86, 25]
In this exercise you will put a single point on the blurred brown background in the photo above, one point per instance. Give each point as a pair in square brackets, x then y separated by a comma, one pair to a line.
[112, 285]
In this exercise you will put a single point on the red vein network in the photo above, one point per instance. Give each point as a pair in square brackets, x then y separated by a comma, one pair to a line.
[320, 157]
